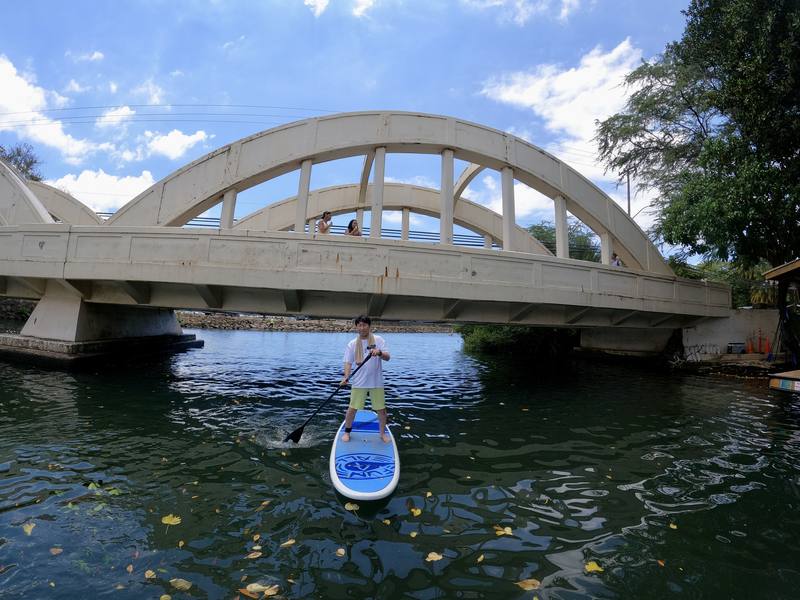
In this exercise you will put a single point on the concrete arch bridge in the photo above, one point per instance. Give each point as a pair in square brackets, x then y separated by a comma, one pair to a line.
[121, 277]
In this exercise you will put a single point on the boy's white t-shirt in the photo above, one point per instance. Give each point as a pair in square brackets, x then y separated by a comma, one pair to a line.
[371, 374]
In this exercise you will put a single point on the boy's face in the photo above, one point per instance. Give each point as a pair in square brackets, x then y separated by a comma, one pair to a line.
[362, 329]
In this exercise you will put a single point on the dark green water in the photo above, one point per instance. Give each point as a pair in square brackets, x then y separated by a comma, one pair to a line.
[619, 466]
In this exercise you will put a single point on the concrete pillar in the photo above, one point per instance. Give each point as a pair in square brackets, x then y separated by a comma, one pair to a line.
[228, 208]
[605, 248]
[376, 217]
[509, 214]
[302, 196]
[446, 199]
[487, 240]
[360, 218]
[406, 222]
[562, 232]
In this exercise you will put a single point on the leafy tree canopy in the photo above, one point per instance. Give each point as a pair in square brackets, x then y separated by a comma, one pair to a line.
[713, 125]
[583, 244]
[23, 159]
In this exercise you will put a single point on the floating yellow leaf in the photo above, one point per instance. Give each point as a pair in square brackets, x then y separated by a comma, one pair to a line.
[287, 543]
[428, 494]
[351, 506]
[263, 505]
[480, 559]
[529, 584]
[28, 527]
[244, 592]
[433, 557]
[413, 534]
[258, 588]
[271, 591]
[387, 522]
[253, 555]
[129, 568]
[149, 574]
[673, 526]
[340, 552]
[660, 563]
[256, 548]
[165, 597]
[181, 544]
[256, 537]
[593, 567]
[180, 584]
[171, 519]
[416, 512]
[56, 551]
[503, 530]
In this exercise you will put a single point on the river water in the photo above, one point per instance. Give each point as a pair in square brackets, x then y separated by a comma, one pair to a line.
[675, 486]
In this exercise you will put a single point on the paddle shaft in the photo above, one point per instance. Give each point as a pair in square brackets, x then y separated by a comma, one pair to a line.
[319, 408]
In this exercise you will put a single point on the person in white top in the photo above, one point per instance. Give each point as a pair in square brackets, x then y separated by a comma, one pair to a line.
[324, 224]
[369, 379]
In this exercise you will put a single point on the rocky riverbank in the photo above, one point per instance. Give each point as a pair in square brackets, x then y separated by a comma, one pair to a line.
[200, 320]
[12, 309]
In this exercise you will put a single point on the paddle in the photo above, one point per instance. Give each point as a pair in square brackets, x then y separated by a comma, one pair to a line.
[295, 435]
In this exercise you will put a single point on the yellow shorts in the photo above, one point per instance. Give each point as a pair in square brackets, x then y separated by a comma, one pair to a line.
[358, 397]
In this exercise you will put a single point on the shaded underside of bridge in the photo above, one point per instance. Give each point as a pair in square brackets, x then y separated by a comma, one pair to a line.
[336, 276]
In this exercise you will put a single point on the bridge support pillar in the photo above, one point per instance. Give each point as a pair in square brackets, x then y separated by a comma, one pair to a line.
[64, 328]
[446, 199]
[562, 231]
[376, 215]
[509, 212]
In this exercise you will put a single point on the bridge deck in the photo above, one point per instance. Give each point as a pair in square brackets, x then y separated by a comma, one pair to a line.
[334, 276]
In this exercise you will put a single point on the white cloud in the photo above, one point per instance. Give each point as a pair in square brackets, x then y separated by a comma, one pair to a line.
[24, 105]
[360, 7]
[176, 73]
[521, 11]
[232, 43]
[151, 91]
[87, 57]
[174, 144]
[569, 101]
[317, 6]
[112, 87]
[115, 116]
[76, 88]
[103, 192]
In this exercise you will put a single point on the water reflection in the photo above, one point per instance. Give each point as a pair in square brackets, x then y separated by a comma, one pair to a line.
[663, 481]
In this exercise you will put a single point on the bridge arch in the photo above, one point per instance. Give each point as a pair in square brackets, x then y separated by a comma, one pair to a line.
[18, 204]
[342, 199]
[220, 175]
[62, 206]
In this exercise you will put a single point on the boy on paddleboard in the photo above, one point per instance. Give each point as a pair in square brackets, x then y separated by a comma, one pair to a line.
[368, 380]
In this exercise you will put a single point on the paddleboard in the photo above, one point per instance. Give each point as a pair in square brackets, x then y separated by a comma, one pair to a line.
[365, 468]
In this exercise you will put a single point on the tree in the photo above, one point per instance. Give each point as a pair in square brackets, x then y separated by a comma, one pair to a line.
[23, 159]
[582, 241]
[713, 126]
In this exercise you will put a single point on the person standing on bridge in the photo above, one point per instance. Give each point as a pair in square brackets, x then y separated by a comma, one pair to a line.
[324, 224]
[368, 380]
[353, 228]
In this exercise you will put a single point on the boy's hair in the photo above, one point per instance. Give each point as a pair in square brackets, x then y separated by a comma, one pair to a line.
[362, 319]
[327, 212]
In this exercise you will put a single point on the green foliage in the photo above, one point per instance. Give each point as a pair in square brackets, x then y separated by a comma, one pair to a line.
[526, 343]
[713, 125]
[23, 159]
[748, 287]
[583, 244]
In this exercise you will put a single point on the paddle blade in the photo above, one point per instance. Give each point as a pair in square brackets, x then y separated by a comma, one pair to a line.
[295, 435]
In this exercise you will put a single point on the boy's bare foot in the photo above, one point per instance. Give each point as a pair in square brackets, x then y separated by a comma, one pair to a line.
[385, 438]
[346, 437]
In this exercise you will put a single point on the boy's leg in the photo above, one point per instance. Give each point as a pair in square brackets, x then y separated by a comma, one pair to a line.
[382, 421]
[378, 401]
[348, 423]
[357, 398]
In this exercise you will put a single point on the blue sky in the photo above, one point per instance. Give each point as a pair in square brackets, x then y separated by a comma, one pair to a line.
[115, 96]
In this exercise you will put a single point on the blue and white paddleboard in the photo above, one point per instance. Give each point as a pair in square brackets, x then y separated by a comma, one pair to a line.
[365, 468]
